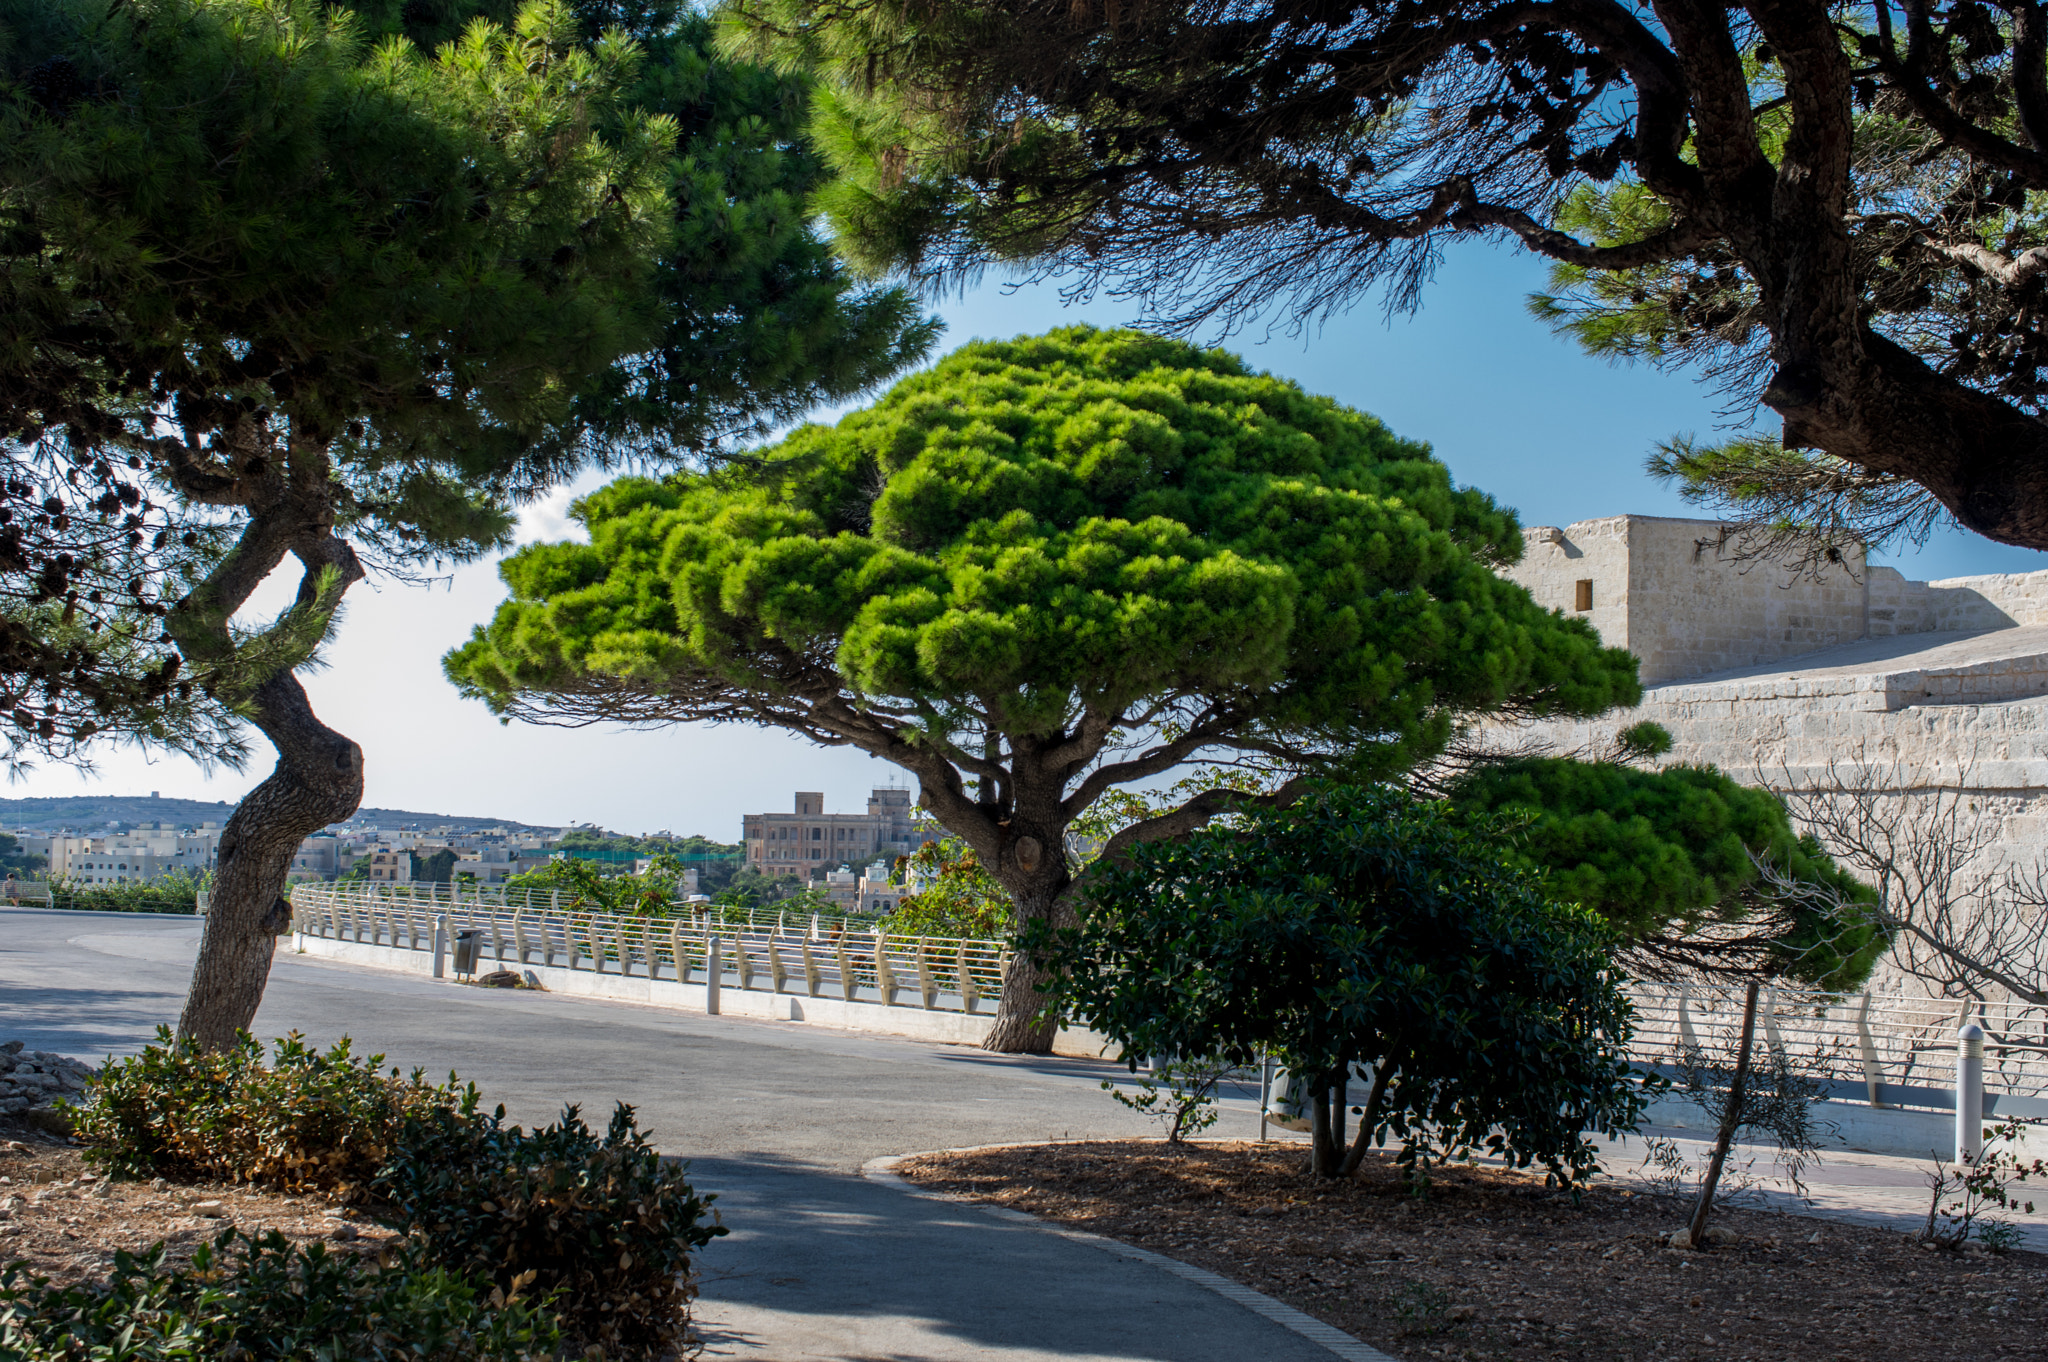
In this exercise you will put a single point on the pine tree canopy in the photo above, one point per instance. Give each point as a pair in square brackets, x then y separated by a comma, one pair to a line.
[279, 281]
[1845, 200]
[1670, 858]
[1053, 566]
[1095, 528]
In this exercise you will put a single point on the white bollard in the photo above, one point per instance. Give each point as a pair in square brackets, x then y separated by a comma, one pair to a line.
[440, 945]
[1969, 1092]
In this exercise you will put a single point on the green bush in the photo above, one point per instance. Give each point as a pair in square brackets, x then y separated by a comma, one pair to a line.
[306, 1122]
[173, 893]
[601, 1225]
[263, 1299]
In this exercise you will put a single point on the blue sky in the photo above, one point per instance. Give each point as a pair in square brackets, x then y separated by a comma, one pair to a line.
[1510, 408]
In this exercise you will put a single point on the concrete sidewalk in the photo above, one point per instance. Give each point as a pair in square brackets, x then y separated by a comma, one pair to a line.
[778, 1119]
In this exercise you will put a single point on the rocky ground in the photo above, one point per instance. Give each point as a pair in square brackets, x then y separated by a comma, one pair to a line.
[32, 1082]
[1493, 1265]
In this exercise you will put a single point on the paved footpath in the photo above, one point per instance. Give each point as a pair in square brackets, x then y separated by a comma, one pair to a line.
[777, 1119]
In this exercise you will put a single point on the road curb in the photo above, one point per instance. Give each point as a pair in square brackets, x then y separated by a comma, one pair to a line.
[1341, 1344]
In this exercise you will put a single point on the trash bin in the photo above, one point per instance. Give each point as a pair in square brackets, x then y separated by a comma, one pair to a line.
[467, 945]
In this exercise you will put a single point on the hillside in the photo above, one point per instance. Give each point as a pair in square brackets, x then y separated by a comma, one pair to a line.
[97, 811]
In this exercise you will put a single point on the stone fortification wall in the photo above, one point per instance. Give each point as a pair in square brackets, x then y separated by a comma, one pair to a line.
[1999, 601]
[1679, 594]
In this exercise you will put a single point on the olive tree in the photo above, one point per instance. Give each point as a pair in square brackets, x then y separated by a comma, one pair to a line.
[1043, 570]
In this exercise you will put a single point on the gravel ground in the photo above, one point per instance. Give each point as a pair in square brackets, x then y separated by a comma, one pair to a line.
[66, 1223]
[1494, 1265]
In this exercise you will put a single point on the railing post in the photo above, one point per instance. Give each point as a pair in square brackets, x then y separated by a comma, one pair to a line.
[440, 945]
[885, 978]
[970, 995]
[846, 980]
[714, 972]
[1873, 1072]
[675, 953]
[811, 978]
[777, 975]
[924, 979]
[1969, 1092]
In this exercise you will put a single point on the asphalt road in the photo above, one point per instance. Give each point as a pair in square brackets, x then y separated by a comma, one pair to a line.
[775, 1117]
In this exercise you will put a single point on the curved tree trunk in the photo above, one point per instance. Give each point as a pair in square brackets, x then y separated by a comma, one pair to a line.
[318, 780]
[319, 775]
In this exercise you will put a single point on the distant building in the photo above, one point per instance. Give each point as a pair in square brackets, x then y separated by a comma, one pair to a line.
[877, 895]
[809, 841]
[137, 856]
[390, 865]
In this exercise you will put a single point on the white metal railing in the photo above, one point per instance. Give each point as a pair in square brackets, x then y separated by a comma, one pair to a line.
[813, 955]
[1892, 1050]
[1882, 1049]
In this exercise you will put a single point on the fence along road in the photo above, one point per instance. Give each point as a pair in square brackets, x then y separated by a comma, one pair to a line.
[815, 955]
[1885, 1051]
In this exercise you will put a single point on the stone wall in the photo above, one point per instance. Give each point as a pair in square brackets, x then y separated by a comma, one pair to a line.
[1998, 601]
[1679, 594]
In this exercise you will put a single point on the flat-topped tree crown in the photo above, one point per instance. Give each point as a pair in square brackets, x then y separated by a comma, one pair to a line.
[1049, 567]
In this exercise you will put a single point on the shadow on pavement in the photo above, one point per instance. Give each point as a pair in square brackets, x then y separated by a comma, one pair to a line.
[832, 1265]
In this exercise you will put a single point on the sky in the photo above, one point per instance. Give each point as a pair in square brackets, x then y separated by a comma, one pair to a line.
[1510, 408]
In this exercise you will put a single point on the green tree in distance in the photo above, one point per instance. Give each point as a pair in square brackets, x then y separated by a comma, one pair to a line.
[1365, 928]
[1048, 568]
[955, 896]
[346, 301]
[1669, 859]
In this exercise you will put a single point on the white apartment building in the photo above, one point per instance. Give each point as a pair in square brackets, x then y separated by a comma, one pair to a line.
[135, 857]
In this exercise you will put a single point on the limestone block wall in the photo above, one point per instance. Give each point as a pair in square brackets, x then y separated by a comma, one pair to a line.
[1561, 567]
[1678, 594]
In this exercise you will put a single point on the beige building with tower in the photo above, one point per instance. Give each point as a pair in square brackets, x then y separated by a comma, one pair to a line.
[808, 841]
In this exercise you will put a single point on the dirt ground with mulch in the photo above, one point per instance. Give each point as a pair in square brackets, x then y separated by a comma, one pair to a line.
[66, 1222]
[1494, 1265]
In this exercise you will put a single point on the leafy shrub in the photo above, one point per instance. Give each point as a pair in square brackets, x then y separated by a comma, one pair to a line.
[1187, 1106]
[603, 1226]
[264, 1298]
[307, 1122]
[176, 892]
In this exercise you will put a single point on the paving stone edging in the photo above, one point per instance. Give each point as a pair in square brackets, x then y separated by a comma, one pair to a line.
[883, 1170]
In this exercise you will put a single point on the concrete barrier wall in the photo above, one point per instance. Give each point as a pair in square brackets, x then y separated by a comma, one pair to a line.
[960, 1028]
[1866, 1129]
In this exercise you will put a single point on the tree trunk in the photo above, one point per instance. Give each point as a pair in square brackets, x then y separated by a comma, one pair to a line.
[319, 775]
[1731, 1118]
[1326, 1139]
[318, 780]
[1035, 881]
[1019, 1028]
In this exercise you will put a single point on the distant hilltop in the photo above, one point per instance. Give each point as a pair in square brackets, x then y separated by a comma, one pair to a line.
[87, 812]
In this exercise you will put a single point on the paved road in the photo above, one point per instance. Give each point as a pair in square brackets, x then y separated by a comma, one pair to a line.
[776, 1118]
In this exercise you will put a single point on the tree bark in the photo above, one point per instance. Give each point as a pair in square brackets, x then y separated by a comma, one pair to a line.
[1731, 1118]
[318, 780]
[319, 774]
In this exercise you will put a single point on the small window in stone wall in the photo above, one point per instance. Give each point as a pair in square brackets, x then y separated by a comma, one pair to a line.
[1582, 594]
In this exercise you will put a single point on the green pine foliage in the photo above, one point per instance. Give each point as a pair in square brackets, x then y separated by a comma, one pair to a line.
[1087, 517]
[1665, 855]
[1046, 568]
